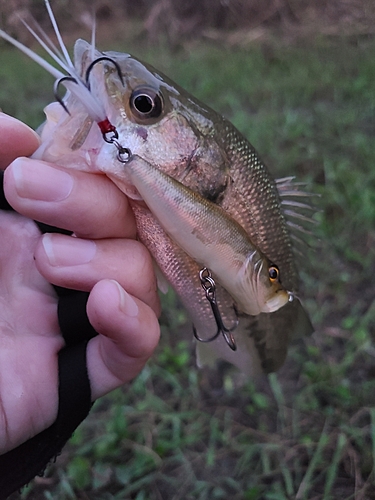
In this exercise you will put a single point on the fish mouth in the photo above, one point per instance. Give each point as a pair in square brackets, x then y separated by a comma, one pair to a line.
[279, 300]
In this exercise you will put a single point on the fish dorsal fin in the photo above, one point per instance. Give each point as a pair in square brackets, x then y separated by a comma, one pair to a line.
[299, 207]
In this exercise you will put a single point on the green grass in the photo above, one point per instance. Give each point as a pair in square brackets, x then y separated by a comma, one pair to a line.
[307, 432]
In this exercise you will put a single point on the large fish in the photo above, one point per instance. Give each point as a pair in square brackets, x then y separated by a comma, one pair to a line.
[205, 204]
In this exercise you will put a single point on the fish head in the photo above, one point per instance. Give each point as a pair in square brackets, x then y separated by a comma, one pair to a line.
[154, 118]
[268, 294]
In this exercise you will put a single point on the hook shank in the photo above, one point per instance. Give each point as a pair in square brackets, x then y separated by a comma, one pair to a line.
[209, 286]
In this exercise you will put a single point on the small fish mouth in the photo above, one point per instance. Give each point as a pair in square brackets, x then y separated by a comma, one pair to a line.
[279, 300]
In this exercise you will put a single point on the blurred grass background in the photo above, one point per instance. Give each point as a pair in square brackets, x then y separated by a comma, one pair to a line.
[297, 78]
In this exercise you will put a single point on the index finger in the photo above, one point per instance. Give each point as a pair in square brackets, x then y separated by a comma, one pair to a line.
[88, 204]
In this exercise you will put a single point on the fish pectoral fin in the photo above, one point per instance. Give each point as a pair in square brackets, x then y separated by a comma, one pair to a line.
[273, 332]
[161, 280]
[299, 322]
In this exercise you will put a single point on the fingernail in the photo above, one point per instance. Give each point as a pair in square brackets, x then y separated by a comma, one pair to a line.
[40, 181]
[127, 304]
[65, 251]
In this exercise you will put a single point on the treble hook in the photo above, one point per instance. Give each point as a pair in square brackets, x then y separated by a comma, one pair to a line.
[209, 286]
[98, 60]
[87, 79]
[56, 90]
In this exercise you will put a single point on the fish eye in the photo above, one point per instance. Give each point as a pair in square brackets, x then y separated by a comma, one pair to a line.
[274, 273]
[146, 103]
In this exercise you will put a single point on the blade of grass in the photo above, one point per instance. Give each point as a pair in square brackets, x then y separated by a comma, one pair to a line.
[372, 414]
[212, 444]
[288, 479]
[306, 481]
[279, 397]
[332, 470]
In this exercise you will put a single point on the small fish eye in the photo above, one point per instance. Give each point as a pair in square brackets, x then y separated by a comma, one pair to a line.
[273, 273]
[146, 103]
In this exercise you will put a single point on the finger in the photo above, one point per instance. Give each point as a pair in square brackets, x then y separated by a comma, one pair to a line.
[16, 139]
[88, 204]
[129, 334]
[78, 264]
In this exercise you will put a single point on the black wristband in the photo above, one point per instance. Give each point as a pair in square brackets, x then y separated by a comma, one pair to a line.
[4, 205]
[73, 320]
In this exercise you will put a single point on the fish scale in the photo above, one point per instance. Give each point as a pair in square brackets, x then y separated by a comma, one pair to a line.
[255, 203]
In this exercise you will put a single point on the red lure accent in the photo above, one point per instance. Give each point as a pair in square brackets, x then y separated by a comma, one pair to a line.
[106, 126]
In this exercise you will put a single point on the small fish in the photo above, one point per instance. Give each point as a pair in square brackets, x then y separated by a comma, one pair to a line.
[218, 241]
[201, 196]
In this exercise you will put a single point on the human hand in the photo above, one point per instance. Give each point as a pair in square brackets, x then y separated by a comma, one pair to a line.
[103, 259]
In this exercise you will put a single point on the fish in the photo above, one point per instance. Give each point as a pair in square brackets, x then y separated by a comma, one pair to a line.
[203, 200]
